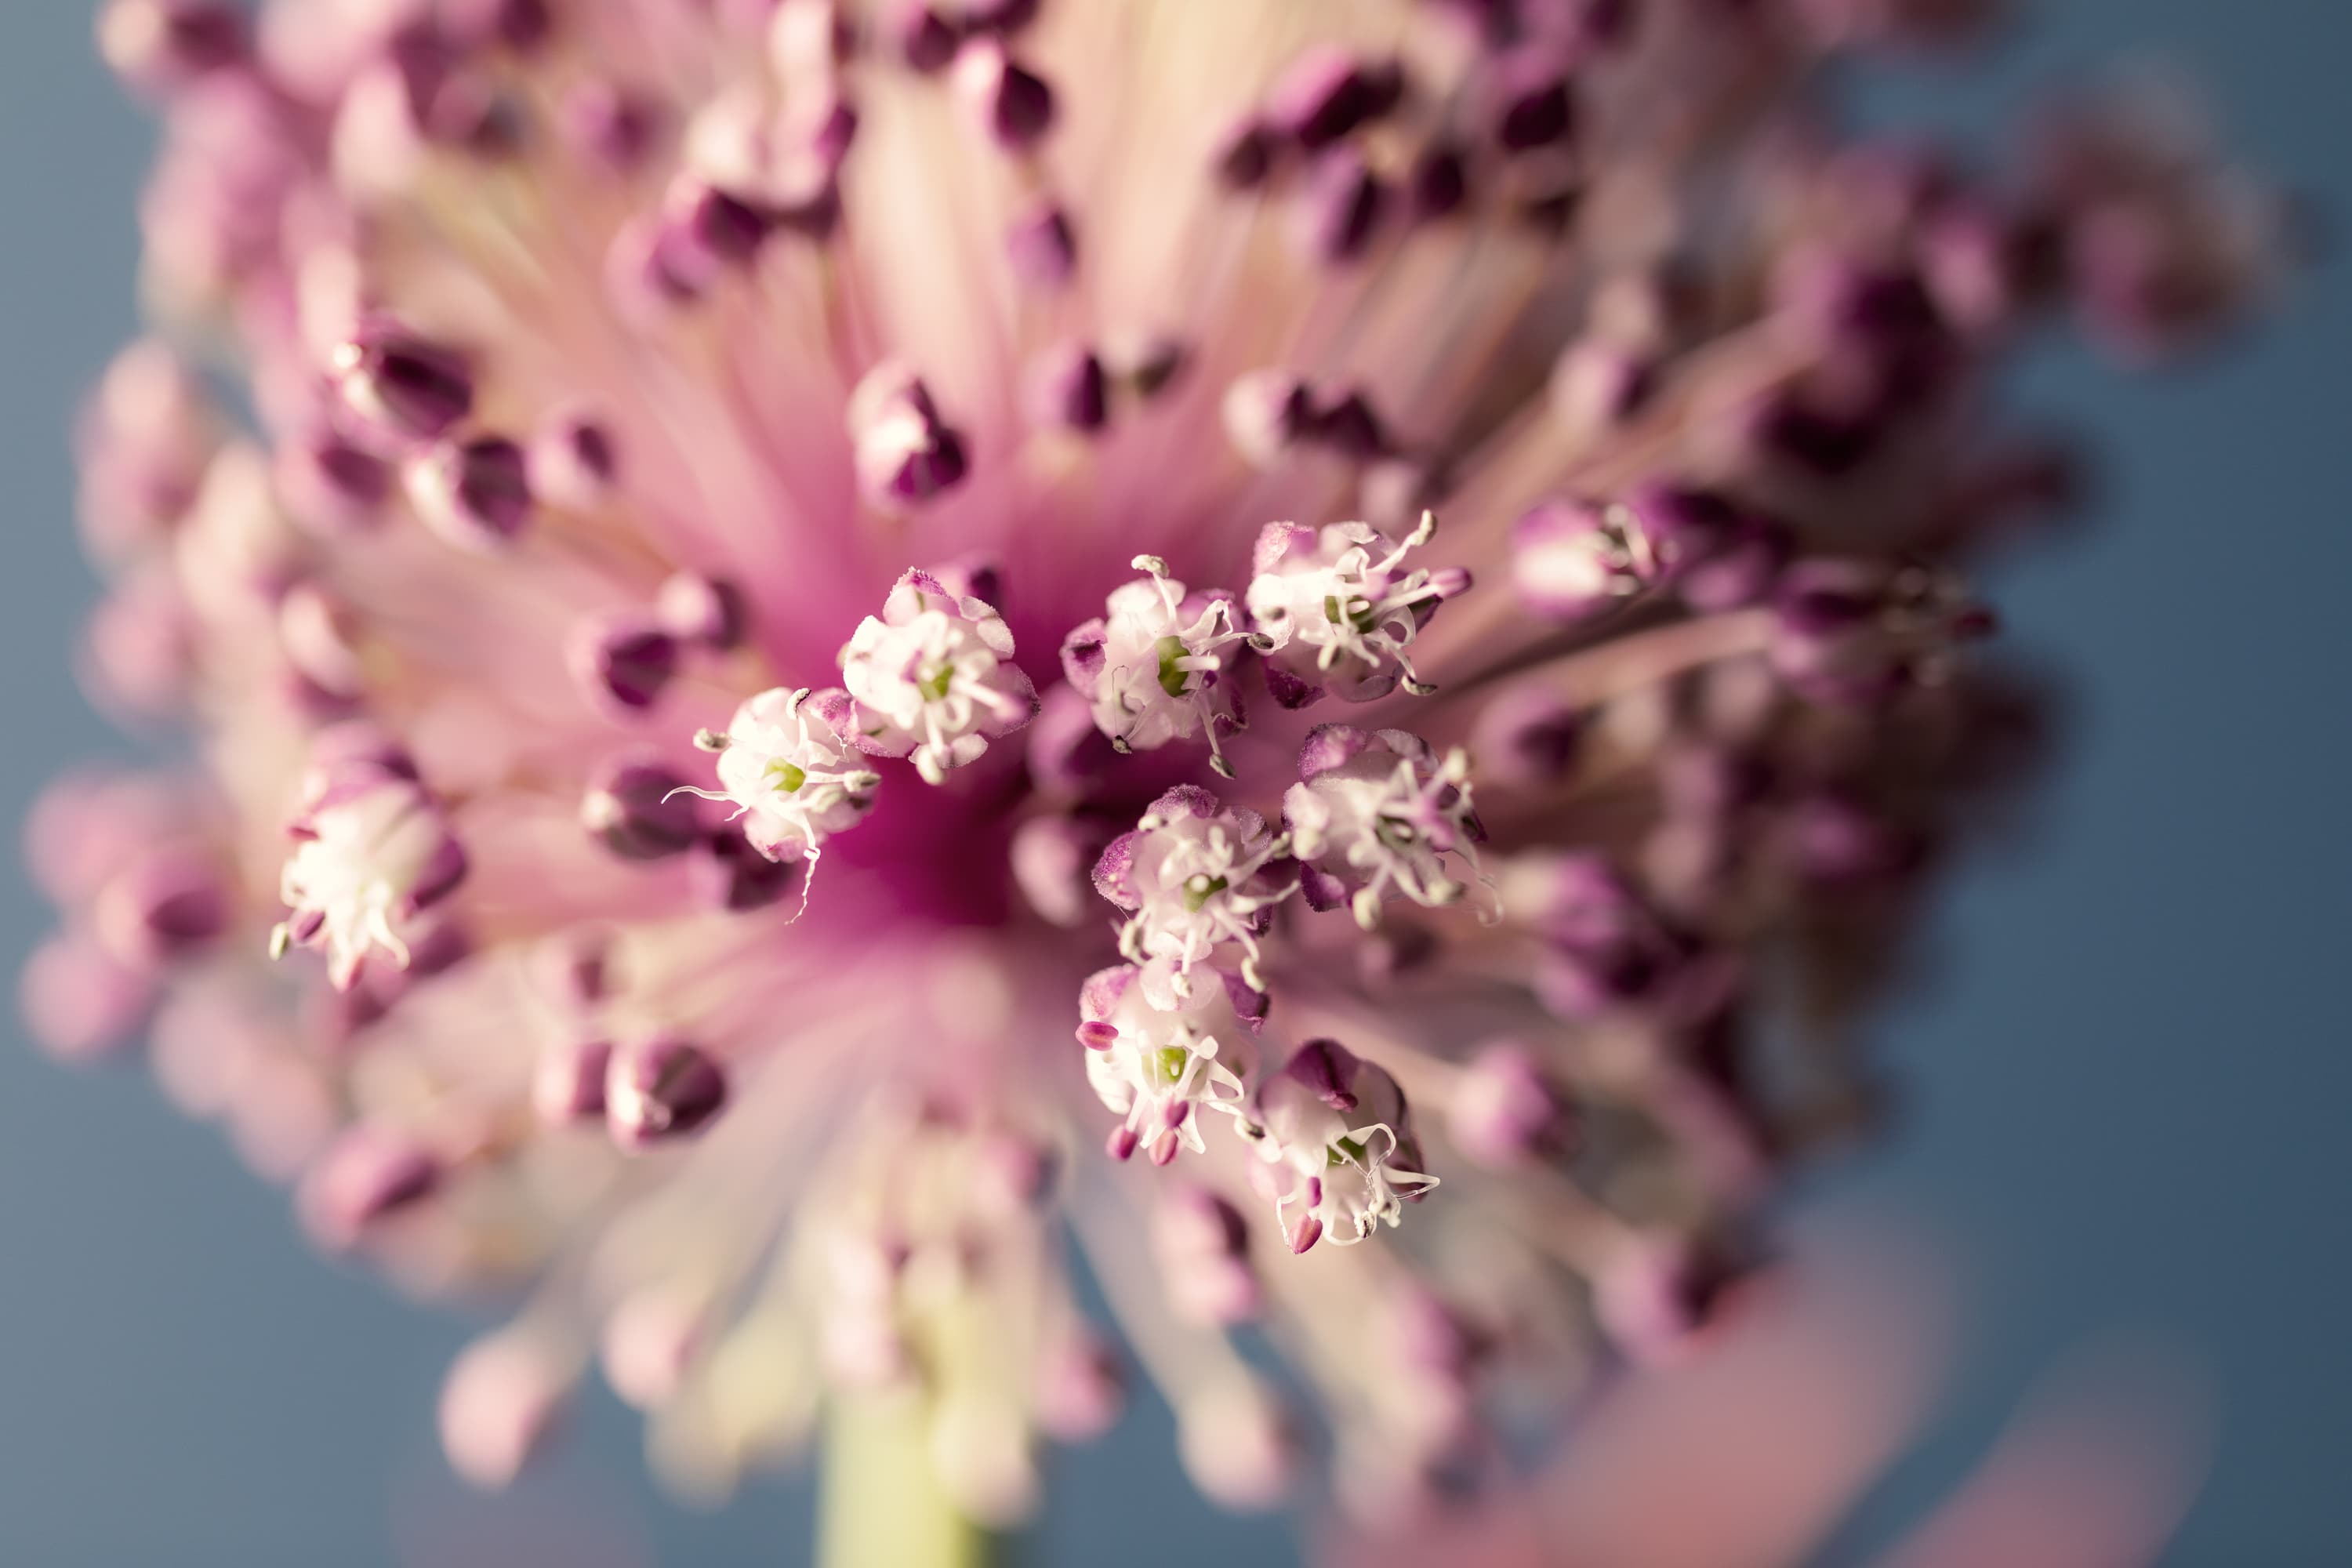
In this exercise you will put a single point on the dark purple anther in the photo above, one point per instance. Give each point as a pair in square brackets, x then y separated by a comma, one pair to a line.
[1329, 93]
[475, 494]
[1341, 206]
[1245, 157]
[634, 806]
[712, 227]
[920, 34]
[1012, 102]
[624, 663]
[1440, 182]
[1532, 104]
[331, 486]
[662, 1090]
[706, 610]
[728, 873]
[398, 385]
[572, 462]
[1347, 425]
[1068, 391]
[1044, 248]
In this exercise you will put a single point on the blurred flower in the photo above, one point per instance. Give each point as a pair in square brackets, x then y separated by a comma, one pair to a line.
[694, 440]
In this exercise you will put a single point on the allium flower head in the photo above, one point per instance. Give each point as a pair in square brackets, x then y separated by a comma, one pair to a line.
[996, 448]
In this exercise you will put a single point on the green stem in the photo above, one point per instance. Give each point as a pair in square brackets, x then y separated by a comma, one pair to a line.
[882, 1502]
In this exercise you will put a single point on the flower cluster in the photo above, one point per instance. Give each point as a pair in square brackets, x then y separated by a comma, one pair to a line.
[684, 434]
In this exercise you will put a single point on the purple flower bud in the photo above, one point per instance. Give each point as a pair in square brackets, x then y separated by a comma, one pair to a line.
[1655, 1299]
[1265, 413]
[1066, 390]
[1068, 753]
[160, 46]
[1528, 738]
[706, 230]
[574, 968]
[400, 387]
[572, 462]
[1081, 1389]
[1329, 93]
[729, 874]
[1011, 102]
[920, 34]
[607, 126]
[1245, 157]
[661, 1089]
[1144, 364]
[1504, 1112]
[475, 494]
[707, 610]
[1346, 424]
[80, 1002]
[1571, 560]
[139, 652]
[567, 1086]
[331, 486]
[633, 807]
[1325, 1068]
[1341, 206]
[907, 453]
[1052, 861]
[366, 1174]
[166, 907]
[623, 663]
[1003, 17]
[1440, 182]
[1597, 385]
[1044, 248]
[1532, 108]
[1837, 841]
[1202, 1243]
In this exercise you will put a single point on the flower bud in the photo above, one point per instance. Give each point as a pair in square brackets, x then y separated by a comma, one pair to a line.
[709, 612]
[475, 494]
[501, 1397]
[368, 1173]
[635, 807]
[661, 1089]
[567, 1086]
[623, 663]
[399, 386]
[1504, 1112]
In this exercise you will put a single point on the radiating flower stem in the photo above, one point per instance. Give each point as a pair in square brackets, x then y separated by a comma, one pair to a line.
[882, 1501]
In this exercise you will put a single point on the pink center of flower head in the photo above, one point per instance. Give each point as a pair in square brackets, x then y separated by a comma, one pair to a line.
[798, 554]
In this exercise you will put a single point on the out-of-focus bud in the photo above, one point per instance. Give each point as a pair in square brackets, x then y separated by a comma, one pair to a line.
[399, 386]
[1505, 1112]
[501, 1397]
[568, 1084]
[80, 1002]
[661, 1089]
[368, 1173]
[634, 806]
[623, 663]
[475, 494]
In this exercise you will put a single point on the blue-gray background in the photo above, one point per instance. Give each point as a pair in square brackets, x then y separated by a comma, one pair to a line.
[2127, 1092]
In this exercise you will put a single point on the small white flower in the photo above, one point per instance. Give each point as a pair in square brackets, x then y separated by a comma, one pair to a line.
[1338, 1147]
[793, 781]
[1193, 875]
[1154, 668]
[934, 678]
[1158, 1067]
[1335, 611]
[373, 851]
[1379, 813]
